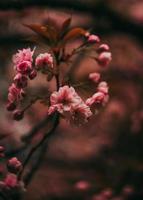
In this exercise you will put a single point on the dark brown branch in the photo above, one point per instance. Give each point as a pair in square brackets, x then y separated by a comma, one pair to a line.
[35, 166]
[27, 137]
[46, 136]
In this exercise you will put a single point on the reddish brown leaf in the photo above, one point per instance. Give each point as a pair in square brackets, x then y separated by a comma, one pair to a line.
[45, 32]
[53, 32]
[40, 30]
[74, 33]
[65, 25]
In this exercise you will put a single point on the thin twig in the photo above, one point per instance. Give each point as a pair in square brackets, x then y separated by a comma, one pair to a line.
[28, 177]
[33, 150]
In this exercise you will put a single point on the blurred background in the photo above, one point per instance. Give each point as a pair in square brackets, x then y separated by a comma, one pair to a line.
[104, 159]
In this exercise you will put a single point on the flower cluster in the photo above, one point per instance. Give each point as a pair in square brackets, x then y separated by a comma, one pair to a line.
[23, 65]
[103, 55]
[65, 100]
[10, 185]
[70, 105]
[25, 68]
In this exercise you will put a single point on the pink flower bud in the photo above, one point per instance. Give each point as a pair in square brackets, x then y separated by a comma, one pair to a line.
[93, 39]
[87, 34]
[20, 80]
[98, 97]
[94, 77]
[104, 58]
[1, 149]
[14, 93]
[103, 47]
[103, 87]
[18, 115]
[33, 74]
[14, 165]
[10, 106]
[82, 185]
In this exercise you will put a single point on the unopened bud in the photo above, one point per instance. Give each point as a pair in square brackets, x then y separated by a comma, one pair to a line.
[14, 165]
[104, 58]
[33, 74]
[10, 106]
[18, 115]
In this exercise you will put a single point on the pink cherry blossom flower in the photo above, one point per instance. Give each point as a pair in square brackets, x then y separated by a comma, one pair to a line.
[44, 59]
[93, 38]
[94, 77]
[14, 93]
[104, 58]
[64, 99]
[23, 55]
[80, 113]
[11, 180]
[67, 102]
[53, 108]
[24, 67]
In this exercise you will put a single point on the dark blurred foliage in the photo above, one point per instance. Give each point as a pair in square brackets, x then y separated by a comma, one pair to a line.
[104, 159]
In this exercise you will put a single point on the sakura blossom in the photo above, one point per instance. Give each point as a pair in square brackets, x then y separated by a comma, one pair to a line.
[62, 94]
[11, 180]
[80, 113]
[43, 60]
[24, 67]
[64, 99]
[24, 55]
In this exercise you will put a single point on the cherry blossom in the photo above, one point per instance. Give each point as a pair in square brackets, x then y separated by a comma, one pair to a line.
[44, 59]
[22, 56]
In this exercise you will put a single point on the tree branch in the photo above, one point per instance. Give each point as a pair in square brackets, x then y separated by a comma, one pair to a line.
[34, 149]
